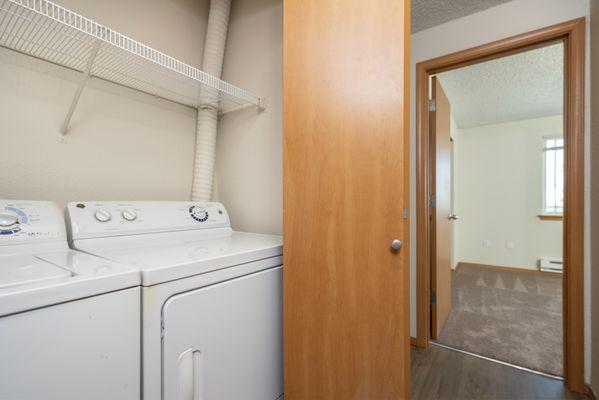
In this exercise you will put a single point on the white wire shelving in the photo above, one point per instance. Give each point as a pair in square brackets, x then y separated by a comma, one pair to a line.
[50, 32]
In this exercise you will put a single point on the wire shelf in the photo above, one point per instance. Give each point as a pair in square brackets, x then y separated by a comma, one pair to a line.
[50, 32]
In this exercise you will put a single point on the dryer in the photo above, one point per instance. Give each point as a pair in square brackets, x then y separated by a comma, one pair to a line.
[211, 297]
[69, 321]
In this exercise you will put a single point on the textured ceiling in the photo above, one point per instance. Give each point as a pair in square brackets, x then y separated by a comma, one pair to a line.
[429, 13]
[522, 86]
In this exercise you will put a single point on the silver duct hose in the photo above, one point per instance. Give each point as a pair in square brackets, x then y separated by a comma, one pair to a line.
[205, 151]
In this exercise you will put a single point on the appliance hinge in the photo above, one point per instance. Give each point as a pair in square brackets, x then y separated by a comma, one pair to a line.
[432, 201]
[433, 296]
[432, 105]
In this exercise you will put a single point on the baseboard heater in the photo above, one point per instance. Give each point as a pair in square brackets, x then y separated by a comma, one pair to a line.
[551, 265]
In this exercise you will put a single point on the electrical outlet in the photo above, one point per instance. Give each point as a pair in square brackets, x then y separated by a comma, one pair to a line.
[509, 244]
[486, 243]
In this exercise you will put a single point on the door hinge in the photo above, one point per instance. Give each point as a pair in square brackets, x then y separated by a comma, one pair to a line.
[432, 201]
[405, 214]
[432, 105]
[433, 296]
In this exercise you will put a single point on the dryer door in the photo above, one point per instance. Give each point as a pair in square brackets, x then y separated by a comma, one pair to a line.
[225, 341]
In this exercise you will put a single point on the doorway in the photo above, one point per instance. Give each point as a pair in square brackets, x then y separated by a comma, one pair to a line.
[496, 228]
[571, 36]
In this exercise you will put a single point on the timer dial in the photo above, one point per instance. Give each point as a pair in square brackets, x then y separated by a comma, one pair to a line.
[9, 222]
[8, 218]
[198, 213]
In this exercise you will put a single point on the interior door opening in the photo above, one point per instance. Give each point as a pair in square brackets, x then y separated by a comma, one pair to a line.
[461, 243]
[496, 272]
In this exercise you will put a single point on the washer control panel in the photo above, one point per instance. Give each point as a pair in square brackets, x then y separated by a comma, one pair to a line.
[112, 218]
[28, 221]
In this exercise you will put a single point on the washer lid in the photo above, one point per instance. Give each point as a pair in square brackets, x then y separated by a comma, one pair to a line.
[23, 270]
[28, 282]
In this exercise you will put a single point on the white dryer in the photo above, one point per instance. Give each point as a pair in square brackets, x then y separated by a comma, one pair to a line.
[211, 297]
[69, 321]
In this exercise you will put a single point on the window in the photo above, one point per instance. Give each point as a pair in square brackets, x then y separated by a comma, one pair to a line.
[553, 175]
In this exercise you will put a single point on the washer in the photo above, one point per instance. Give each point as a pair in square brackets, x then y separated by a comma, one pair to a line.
[211, 297]
[69, 321]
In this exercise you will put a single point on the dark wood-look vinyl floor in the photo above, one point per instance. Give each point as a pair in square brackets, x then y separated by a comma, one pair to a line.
[439, 373]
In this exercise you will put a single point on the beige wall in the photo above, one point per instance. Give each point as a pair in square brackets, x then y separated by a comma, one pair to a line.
[499, 193]
[122, 144]
[249, 145]
[505, 20]
[595, 192]
[175, 27]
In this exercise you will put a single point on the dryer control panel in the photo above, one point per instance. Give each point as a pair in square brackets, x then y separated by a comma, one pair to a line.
[28, 221]
[90, 219]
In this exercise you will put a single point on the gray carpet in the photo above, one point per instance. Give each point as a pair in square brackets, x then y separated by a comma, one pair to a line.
[509, 316]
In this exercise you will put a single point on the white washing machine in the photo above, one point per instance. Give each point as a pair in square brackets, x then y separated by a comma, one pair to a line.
[211, 297]
[69, 321]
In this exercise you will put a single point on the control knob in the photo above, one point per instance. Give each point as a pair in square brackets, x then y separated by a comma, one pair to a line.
[103, 215]
[198, 213]
[129, 215]
[8, 218]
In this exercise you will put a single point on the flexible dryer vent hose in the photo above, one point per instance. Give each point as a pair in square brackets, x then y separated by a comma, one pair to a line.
[207, 120]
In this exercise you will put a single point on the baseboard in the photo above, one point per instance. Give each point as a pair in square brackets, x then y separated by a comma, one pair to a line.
[414, 342]
[590, 392]
[512, 269]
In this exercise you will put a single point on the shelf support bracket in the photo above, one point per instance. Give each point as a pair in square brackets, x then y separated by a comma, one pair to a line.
[260, 107]
[84, 77]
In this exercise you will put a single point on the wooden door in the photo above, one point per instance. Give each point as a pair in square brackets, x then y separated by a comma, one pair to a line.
[441, 221]
[346, 160]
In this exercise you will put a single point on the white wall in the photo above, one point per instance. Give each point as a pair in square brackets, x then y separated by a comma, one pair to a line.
[499, 191]
[122, 144]
[505, 20]
[249, 145]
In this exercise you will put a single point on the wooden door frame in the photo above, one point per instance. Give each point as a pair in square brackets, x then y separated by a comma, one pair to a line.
[572, 34]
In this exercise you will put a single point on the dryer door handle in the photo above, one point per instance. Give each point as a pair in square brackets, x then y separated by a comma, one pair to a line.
[191, 375]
